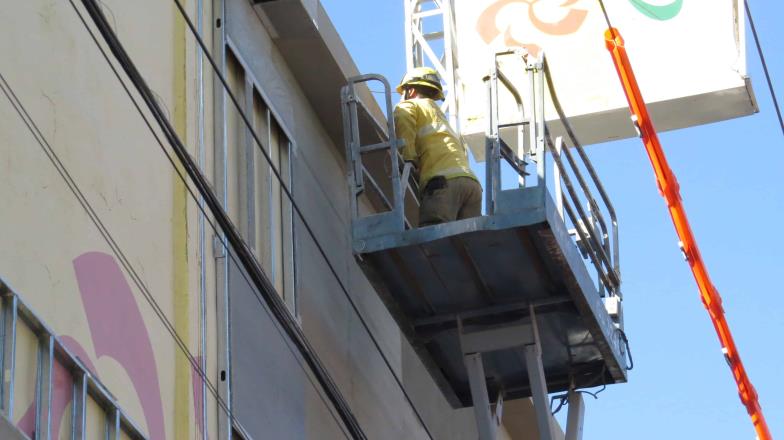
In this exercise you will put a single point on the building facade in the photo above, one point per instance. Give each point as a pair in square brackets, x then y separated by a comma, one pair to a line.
[107, 246]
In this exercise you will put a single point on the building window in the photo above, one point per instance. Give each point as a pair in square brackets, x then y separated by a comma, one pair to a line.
[256, 198]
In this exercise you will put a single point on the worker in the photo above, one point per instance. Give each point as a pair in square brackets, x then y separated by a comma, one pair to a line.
[448, 189]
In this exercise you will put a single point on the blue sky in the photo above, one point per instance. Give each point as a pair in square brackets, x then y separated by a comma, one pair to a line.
[730, 182]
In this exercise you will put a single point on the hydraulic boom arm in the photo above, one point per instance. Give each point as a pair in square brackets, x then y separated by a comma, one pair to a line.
[669, 189]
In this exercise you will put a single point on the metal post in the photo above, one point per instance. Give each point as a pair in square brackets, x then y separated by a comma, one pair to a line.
[356, 155]
[250, 168]
[113, 429]
[530, 114]
[489, 145]
[8, 354]
[348, 133]
[398, 196]
[533, 362]
[409, 23]
[200, 117]
[439, 48]
[574, 421]
[537, 119]
[476, 379]
[450, 63]
[224, 424]
[495, 159]
[79, 410]
[559, 197]
[43, 402]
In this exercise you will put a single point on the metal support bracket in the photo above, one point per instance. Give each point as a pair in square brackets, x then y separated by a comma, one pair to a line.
[523, 334]
[574, 420]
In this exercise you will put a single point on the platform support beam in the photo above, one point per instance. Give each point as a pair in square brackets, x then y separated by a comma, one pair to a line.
[476, 378]
[520, 334]
[574, 421]
[533, 362]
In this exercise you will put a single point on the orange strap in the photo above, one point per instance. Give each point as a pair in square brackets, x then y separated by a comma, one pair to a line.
[669, 189]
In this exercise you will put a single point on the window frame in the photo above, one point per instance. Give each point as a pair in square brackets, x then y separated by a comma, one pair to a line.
[288, 213]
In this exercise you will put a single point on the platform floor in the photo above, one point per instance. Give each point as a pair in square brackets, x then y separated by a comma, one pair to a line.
[489, 270]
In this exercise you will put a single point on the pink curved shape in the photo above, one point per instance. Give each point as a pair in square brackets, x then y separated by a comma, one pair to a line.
[489, 31]
[568, 25]
[118, 331]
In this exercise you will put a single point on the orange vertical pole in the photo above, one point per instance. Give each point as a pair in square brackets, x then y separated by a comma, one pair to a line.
[669, 189]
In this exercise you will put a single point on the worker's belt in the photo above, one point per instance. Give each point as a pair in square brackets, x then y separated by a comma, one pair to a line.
[436, 183]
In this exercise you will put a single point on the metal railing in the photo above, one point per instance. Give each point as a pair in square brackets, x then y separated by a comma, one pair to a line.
[401, 173]
[51, 351]
[596, 237]
[495, 148]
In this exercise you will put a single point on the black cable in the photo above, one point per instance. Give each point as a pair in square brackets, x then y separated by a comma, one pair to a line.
[628, 349]
[607, 19]
[563, 399]
[308, 228]
[290, 196]
[266, 289]
[130, 270]
[764, 66]
[211, 387]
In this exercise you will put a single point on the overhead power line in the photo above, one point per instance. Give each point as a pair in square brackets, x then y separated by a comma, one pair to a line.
[287, 190]
[173, 140]
[202, 209]
[62, 170]
[60, 167]
[244, 255]
[764, 65]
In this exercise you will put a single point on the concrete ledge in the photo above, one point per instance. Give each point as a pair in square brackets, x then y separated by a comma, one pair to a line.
[316, 55]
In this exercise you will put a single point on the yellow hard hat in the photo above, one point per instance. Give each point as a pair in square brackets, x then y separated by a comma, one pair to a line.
[422, 76]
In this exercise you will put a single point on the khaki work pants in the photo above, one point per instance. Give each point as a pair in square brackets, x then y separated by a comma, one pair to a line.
[446, 200]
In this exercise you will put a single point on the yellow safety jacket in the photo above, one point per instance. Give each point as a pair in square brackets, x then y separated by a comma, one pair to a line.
[430, 142]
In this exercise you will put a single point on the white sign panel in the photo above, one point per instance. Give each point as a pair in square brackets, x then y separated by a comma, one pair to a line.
[688, 55]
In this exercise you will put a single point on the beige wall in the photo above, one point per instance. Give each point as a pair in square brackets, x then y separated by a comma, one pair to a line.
[48, 240]
[54, 257]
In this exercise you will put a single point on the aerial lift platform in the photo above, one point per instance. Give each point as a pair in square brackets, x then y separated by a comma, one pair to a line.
[518, 303]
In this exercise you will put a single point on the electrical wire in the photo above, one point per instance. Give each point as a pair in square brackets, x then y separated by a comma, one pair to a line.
[196, 176]
[32, 126]
[295, 205]
[41, 140]
[203, 211]
[248, 261]
[563, 399]
[764, 66]
[70, 182]
[630, 366]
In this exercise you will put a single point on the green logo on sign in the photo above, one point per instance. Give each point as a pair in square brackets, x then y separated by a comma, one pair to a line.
[662, 12]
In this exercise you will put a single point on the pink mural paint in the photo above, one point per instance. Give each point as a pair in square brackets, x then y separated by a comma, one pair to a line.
[118, 331]
[62, 393]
